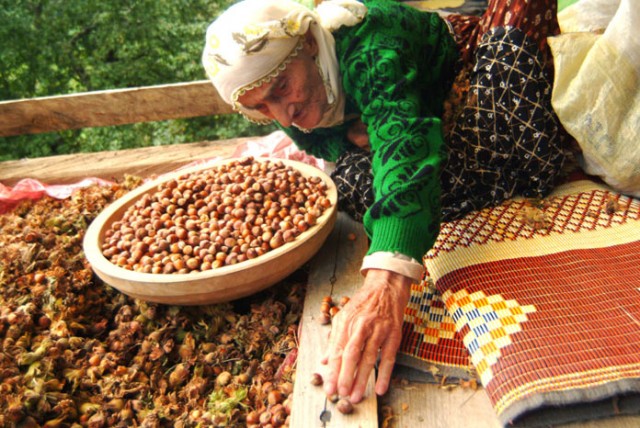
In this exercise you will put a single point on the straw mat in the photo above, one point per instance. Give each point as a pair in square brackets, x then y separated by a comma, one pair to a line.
[540, 300]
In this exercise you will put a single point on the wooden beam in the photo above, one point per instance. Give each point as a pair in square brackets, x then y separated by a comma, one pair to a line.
[428, 405]
[143, 162]
[108, 108]
[335, 272]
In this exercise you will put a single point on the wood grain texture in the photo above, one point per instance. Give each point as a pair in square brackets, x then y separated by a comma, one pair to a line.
[428, 405]
[413, 401]
[335, 272]
[108, 108]
[143, 162]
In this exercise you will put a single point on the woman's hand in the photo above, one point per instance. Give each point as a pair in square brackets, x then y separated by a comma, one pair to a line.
[369, 323]
[357, 134]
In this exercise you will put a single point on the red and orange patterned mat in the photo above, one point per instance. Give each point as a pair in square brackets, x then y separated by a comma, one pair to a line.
[538, 300]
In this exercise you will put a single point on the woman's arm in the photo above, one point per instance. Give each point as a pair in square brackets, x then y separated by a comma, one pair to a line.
[389, 63]
[397, 67]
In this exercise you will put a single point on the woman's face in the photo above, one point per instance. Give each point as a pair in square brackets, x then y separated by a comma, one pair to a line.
[296, 96]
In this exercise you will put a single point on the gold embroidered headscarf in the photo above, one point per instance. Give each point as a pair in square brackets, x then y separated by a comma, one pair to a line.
[254, 40]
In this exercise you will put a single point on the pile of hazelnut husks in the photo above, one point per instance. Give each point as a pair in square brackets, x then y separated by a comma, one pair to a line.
[76, 352]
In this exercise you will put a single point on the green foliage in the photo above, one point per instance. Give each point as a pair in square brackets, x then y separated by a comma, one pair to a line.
[220, 402]
[53, 47]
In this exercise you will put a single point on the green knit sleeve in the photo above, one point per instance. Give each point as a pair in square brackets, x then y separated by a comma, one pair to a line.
[323, 143]
[394, 68]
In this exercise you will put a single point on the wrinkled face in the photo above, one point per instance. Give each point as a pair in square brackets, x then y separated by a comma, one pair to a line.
[296, 96]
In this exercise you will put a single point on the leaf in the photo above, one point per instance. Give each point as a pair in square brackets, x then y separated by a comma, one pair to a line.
[220, 60]
[239, 38]
[256, 45]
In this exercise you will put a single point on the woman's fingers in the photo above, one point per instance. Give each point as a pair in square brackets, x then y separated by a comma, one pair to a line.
[367, 363]
[352, 358]
[387, 361]
[334, 354]
[360, 336]
[330, 335]
[349, 334]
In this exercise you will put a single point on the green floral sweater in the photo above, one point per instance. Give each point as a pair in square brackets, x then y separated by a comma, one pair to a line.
[397, 68]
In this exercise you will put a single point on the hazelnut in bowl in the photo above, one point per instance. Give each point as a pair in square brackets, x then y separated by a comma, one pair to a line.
[213, 233]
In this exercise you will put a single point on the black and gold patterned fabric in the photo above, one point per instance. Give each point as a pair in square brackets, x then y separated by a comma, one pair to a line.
[506, 141]
[354, 182]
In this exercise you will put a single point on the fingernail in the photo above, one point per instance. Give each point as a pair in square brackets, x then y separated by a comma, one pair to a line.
[329, 388]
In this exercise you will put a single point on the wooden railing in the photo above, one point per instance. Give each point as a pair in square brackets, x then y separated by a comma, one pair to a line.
[109, 108]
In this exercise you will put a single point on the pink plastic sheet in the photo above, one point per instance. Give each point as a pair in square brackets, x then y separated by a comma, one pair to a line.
[28, 188]
[274, 145]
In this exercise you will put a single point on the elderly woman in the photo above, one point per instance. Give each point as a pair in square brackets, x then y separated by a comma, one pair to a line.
[365, 85]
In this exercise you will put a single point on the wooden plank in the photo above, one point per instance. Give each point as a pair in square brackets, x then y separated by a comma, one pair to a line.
[144, 162]
[424, 404]
[335, 272]
[616, 422]
[421, 404]
[112, 107]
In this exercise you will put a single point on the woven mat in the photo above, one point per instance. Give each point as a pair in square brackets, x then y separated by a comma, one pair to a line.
[540, 300]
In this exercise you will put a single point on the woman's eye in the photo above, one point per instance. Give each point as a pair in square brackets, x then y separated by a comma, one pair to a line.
[282, 86]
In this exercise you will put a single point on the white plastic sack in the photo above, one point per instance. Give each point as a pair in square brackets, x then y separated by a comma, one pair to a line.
[587, 15]
[596, 91]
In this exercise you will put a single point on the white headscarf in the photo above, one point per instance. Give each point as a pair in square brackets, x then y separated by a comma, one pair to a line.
[254, 40]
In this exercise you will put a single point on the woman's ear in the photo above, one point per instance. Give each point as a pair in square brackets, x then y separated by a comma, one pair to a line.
[310, 44]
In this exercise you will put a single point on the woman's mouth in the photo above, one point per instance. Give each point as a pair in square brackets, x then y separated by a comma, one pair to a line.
[299, 116]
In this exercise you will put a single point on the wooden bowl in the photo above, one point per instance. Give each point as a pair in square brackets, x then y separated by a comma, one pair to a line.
[216, 285]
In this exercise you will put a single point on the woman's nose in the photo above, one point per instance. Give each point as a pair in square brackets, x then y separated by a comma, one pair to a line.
[282, 112]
